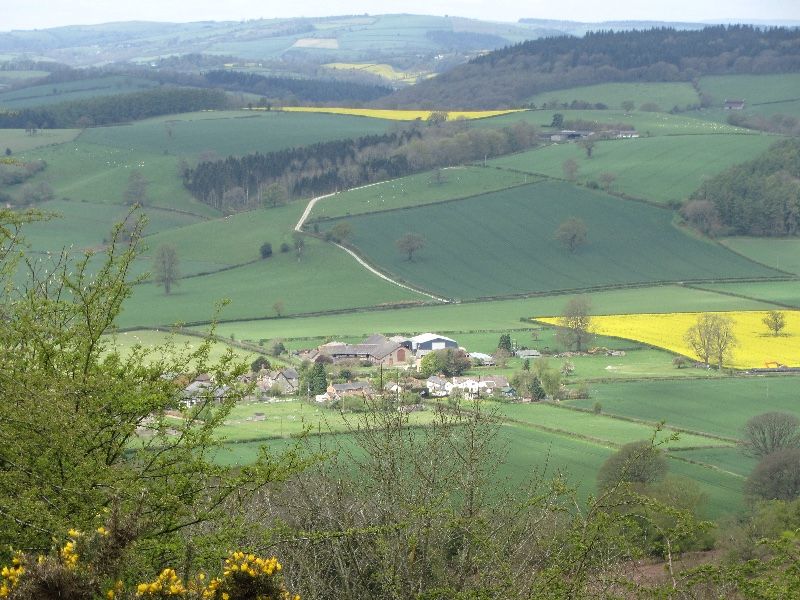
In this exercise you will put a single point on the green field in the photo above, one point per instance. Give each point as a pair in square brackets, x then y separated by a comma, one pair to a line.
[662, 169]
[284, 419]
[614, 432]
[502, 244]
[754, 89]
[83, 171]
[731, 459]
[150, 339]
[716, 406]
[665, 95]
[495, 316]
[85, 225]
[235, 240]
[19, 141]
[781, 253]
[786, 293]
[416, 190]
[54, 93]
[231, 132]
[322, 280]
[530, 454]
[646, 123]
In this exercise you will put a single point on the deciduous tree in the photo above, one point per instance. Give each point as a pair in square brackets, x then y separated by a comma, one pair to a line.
[770, 432]
[409, 244]
[136, 190]
[776, 477]
[572, 234]
[775, 321]
[712, 337]
[637, 462]
[165, 266]
[574, 325]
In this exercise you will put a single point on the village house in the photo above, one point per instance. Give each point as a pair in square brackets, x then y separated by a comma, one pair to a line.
[337, 391]
[201, 389]
[286, 381]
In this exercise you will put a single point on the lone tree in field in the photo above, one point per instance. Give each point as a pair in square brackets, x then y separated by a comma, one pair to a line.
[770, 432]
[637, 462]
[775, 320]
[711, 338]
[570, 168]
[165, 267]
[410, 243]
[136, 190]
[572, 233]
[575, 323]
[341, 231]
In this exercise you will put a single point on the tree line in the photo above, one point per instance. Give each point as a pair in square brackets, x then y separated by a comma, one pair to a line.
[759, 197]
[106, 110]
[244, 182]
[512, 75]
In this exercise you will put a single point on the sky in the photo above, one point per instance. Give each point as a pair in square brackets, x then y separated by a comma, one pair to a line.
[52, 13]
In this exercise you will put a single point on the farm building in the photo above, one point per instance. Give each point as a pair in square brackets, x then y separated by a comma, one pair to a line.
[376, 349]
[527, 354]
[427, 342]
[734, 104]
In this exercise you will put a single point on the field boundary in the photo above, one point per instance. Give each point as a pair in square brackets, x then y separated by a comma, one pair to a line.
[653, 424]
[743, 296]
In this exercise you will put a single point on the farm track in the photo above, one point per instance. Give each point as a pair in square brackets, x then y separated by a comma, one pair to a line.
[299, 228]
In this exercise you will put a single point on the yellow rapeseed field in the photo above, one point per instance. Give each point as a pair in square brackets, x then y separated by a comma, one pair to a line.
[381, 69]
[399, 115]
[756, 346]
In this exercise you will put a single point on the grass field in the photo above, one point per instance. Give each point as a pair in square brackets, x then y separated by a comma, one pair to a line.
[235, 240]
[53, 93]
[527, 455]
[786, 293]
[662, 169]
[19, 141]
[717, 406]
[85, 225]
[230, 132]
[323, 280]
[89, 172]
[754, 89]
[665, 95]
[781, 253]
[731, 459]
[646, 123]
[495, 316]
[150, 339]
[502, 243]
[755, 345]
[608, 430]
[284, 419]
[416, 190]
[400, 115]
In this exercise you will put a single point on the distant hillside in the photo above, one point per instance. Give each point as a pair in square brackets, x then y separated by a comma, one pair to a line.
[511, 76]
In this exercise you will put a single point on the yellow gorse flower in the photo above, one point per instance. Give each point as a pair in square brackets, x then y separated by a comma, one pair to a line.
[9, 576]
